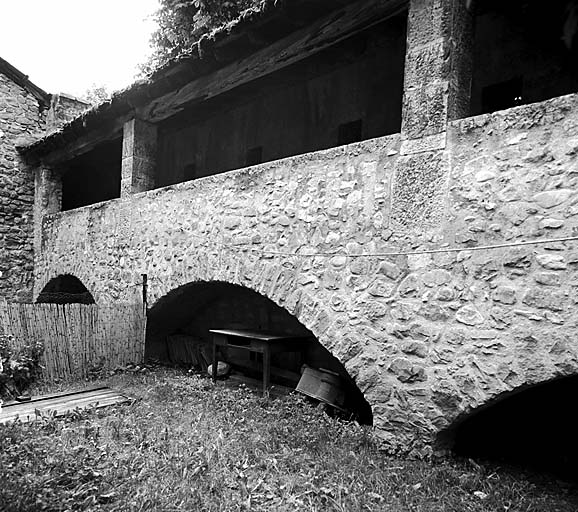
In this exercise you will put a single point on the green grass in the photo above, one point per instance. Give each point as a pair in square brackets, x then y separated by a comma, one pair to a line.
[184, 444]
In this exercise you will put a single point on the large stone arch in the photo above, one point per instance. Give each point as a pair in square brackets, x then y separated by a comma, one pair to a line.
[532, 426]
[527, 361]
[268, 277]
[302, 308]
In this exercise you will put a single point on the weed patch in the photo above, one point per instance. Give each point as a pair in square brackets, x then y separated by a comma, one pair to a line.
[185, 444]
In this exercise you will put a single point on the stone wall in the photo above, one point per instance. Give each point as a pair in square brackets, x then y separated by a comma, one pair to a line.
[427, 336]
[20, 117]
[63, 109]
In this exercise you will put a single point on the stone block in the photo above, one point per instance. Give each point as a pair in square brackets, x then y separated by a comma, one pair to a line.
[428, 143]
[544, 299]
[551, 198]
[406, 371]
[505, 295]
[552, 261]
[427, 64]
[381, 288]
[419, 191]
[427, 21]
[520, 258]
[139, 172]
[139, 139]
[469, 315]
[417, 348]
[435, 312]
[548, 278]
[390, 270]
[425, 110]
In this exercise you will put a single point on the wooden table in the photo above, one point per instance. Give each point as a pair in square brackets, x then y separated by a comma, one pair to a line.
[256, 341]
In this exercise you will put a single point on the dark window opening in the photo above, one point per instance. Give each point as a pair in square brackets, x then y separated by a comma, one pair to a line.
[293, 110]
[521, 38]
[533, 428]
[502, 95]
[93, 177]
[349, 132]
[178, 332]
[65, 289]
[254, 156]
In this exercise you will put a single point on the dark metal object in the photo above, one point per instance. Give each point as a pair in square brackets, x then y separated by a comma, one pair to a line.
[323, 385]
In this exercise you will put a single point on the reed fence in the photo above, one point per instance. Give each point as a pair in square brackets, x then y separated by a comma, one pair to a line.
[77, 337]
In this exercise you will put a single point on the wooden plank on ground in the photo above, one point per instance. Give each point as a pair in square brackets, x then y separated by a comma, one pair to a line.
[48, 396]
[61, 404]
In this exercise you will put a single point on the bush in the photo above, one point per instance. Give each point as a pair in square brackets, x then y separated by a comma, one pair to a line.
[18, 368]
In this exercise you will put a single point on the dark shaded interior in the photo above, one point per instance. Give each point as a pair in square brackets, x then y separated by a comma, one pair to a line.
[349, 92]
[524, 52]
[93, 177]
[65, 289]
[535, 428]
[178, 332]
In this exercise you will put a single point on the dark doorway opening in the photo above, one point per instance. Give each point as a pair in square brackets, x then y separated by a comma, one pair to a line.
[534, 428]
[525, 51]
[65, 289]
[178, 332]
[93, 177]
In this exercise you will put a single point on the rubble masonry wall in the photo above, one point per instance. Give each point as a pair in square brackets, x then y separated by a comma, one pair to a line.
[20, 116]
[427, 337]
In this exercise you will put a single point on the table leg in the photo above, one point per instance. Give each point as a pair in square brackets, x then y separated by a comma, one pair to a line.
[266, 370]
[214, 366]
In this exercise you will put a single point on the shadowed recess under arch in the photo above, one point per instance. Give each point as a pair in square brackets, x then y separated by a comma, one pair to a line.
[178, 332]
[65, 289]
[533, 427]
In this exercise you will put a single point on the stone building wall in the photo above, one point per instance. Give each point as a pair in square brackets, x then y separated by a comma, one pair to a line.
[63, 109]
[20, 116]
[429, 334]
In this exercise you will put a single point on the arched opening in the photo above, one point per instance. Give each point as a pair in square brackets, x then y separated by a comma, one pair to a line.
[533, 428]
[178, 332]
[65, 289]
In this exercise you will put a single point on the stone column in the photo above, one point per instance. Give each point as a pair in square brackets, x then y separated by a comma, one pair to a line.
[48, 192]
[139, 148]
[47, 200]
[438, 70]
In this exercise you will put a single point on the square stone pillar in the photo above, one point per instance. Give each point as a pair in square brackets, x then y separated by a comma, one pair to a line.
[438, 70]
[139, 149]
[47, 200]
[47, 192]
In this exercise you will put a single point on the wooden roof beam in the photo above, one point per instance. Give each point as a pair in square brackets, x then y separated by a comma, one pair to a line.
[304, 43]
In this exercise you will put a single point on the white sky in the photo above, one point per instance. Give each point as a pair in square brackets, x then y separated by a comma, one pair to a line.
[68, 45]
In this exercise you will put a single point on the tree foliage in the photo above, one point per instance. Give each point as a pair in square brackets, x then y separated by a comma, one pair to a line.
[96, 94]
[182, 22]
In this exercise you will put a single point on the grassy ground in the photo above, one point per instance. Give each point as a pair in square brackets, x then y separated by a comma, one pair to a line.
[184, 444]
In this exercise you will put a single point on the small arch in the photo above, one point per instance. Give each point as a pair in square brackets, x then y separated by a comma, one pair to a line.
[178, 332]
[532, 427]
[65, 289]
